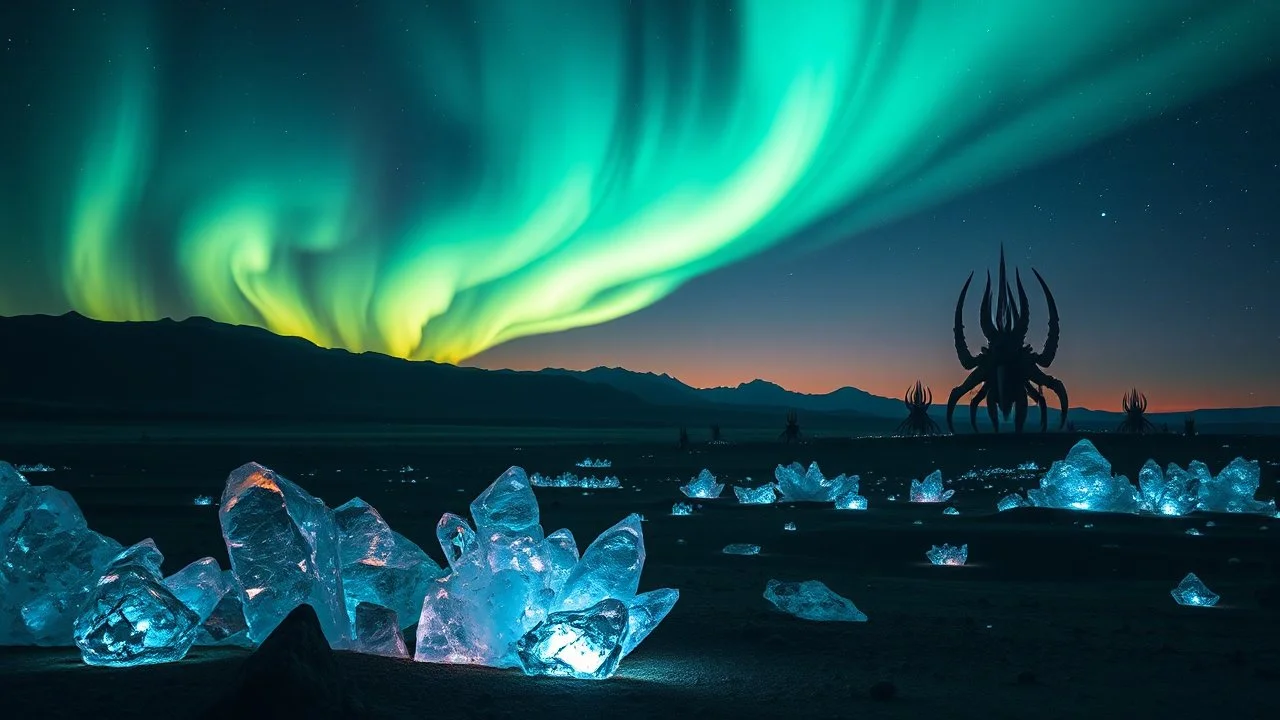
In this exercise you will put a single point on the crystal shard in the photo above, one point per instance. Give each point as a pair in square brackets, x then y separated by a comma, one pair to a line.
[850, 499]
[682, 509]
[200, 586]
[1232, 490]
[704, 486]
[610, 567]
[1171, 492]
[1083, 481]
[812, 600]
[226, 624]
[644, 612]
[380, 566]
[1191, 591]
[763, 495]
[506, 506]
[284, 551]
[948, 554]
[585, 644]
[377, 632]
[1010, 501]
[456, 537]
[559, 556]
[570, 480]
[799, 484]
[930, 489]
[741, 549]
[131, 618]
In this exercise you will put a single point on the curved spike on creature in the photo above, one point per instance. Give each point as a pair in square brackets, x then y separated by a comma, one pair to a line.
[1007, 372]
[1134, 405]
[918, 400]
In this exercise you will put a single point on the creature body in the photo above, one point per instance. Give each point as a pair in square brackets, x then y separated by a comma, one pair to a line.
[1134, 405]
[1006, 371]
[918, 399]
[791, 433]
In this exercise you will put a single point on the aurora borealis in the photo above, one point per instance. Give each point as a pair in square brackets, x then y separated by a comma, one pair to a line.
[433, 180]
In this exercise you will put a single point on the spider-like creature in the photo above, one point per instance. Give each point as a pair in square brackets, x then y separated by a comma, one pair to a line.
[1134, 405]
[1006, 370]
[918, 399]
[791, 433]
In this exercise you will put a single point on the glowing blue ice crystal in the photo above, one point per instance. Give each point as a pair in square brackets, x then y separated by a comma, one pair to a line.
[850, 499]
[1083, 481]
[798, 484]
[682, 509]
[584, 644]
[203, 500]
[570, 480]
[1191, 591]
[812, 600]
[376, 631]
[131, 618]
[1232, 490]
[1011, 501]
[200, 586]
[284, 551]
[789, 526]
[379, 565]
[1171, 492]
[948, 554]
[513, 598]
[741, 549]
[930, 489]
[596, 463]
[951, 511]
[704, 486]
[763, 495]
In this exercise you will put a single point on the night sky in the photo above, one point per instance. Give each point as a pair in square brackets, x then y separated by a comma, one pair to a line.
[787, 189]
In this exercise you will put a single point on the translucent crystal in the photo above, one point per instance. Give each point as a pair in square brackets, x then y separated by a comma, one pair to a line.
[682, 509]
[644, 612]
[585, 644]
[379, 565]
[377, 631]
[1010, 501]
[1172, 492]
[570, 480]
[763, 495]
[200, 586]
[851, 500]
[799, 484]
[789, 526]
[704, 486]
[1083, 481]
[610, 567]
[507, 506]
[741, 549]
[1192, 531]
[948, 555]
[811, 600]
[590, 463]
[456, 537]
[1191, 591]
[559, 556]
[284, 551]
[1232, 490]
[930, 489]
[951, 511]
[203, 500]
[131, 618]
[226, 624]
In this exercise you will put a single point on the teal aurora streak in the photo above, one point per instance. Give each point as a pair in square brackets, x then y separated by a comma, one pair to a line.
[431, 183]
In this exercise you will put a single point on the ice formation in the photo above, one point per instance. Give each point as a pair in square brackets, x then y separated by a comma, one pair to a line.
[1231, 490]
[798, 484]
[951, 511]
[379, 565]
[1011, 501]
[1083, 481]
[570, 480]
[200, 586]
[741, 549]
[682, 509]
[704, 486]
[38, 467]
[131, 617]
[513, 598]
[789, 526]
[1191, 591]
[284, 550]
[851, 500]
[203, 500]
[376, 631]
[811, 600]
[948, 554]
[50, 561]
[1168, 492]
[594, 463]
[930, 489]
[763, 495]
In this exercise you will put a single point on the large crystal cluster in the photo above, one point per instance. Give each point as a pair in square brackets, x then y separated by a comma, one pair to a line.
[379, 565]
[764, 495]
[1083, 481]
[703, 487]
[930, 489]
[799, 484]
[948, 554]
[516, 598]
[1167, 492]
[594, 463]
[1232, 489]
[50, 561]
[570, 480]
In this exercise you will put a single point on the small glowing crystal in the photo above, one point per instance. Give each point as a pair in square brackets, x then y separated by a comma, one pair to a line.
[948, 555]
[1191, 591]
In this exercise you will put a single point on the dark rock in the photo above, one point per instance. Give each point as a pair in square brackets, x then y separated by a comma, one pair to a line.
[1026, 677]
[884, 691]
[294, 673]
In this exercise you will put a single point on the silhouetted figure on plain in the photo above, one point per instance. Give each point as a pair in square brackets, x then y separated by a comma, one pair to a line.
[918, 400]
[715, 433]
[791, 433]
[1006, 370]
[1134, 405]
[1189, 426]
[684, 439]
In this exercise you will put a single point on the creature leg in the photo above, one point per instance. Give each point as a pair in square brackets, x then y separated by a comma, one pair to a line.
[993, 410]
[1039, 398]
[969, 383]
[1054, 384]
[1019, 412]
[973, 407]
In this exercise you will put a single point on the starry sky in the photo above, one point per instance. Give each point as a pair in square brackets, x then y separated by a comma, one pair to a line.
[718, 190]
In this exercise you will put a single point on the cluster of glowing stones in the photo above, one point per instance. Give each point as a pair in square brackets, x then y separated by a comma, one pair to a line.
[948, 554]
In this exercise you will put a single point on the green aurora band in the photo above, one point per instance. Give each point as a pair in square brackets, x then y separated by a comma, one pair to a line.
[431, 183]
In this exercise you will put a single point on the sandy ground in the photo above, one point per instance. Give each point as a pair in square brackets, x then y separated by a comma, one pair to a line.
[1058, 615]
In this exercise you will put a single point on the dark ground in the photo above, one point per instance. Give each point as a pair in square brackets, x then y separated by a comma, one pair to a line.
[1058, 615]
